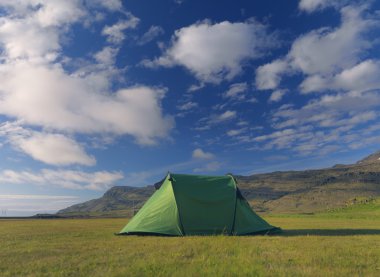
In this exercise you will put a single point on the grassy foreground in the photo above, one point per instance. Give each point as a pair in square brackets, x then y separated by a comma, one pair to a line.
[329, 244]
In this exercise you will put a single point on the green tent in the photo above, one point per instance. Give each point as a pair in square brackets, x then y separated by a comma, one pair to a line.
[197, 205]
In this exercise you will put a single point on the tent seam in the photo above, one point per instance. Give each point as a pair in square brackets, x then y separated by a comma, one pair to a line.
[175, 200]
[234, 216]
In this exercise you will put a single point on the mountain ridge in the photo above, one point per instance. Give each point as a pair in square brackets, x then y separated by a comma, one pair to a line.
[304, 191]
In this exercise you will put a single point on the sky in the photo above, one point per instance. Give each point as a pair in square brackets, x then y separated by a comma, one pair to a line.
[98, 93]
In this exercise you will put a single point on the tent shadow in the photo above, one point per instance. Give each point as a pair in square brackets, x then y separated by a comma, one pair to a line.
[326, 232]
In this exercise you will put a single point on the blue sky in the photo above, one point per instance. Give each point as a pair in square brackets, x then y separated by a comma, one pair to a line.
[100, 93]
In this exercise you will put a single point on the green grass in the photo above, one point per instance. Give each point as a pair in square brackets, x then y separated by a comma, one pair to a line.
[324, 244]
[359, 208]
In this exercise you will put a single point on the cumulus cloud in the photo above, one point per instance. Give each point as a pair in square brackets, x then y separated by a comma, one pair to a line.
[200, 154]
[115, 33]
[277, 95]
[268, 76]
[69, 179]
[50, 148]
[333, 62]
[314, 5]
[361, 77]
[323, 53]
[45, 13]
[22, 38]
[47, 96]
[112, 5]
[213, 52]
[106, 56]
[329, 50]
[39, 91]
[55, 149]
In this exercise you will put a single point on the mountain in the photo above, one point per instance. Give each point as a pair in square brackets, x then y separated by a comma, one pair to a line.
[371, 159]
[122, 199]
[305, 191]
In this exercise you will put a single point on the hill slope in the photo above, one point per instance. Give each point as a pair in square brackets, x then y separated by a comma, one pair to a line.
[278, 192]
[118, 200]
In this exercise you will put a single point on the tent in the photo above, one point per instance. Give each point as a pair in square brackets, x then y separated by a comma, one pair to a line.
[196, 205]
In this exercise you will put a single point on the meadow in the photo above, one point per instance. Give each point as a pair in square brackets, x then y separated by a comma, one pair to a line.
[342, 242]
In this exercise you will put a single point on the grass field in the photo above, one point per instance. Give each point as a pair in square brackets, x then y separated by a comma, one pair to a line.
[342, 242]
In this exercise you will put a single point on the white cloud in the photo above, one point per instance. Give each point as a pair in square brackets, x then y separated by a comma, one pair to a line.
[227, 115]
[307, 141]
[253, 100]
[314, 83]
[39, 91]
[112, 5]
[200, 154]
[329, 50]
[151, 34]
[329, 110]
[23, 38]
[205, 123]
[331, 63]
[54, 149]
[115, 33]
[320, 54]
[236, 91]
[56, 13]
[46, 13]
[268, 76]
[49, 97]
[187, 106]
[213, 52]
[235, 132]
[243, 123]
[314, 5]
[193, 88]
[277, 95]
[106, 56]
[69, 179]
[275, 135]
[330, 121]
[361, 77]
[210, 167]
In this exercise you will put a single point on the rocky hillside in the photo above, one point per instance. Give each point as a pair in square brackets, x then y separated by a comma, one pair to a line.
[278, 192]
[119, 198]
[373, 159]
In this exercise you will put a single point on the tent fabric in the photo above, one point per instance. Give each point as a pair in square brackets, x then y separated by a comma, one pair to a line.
[197, 205]
[158, 215]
